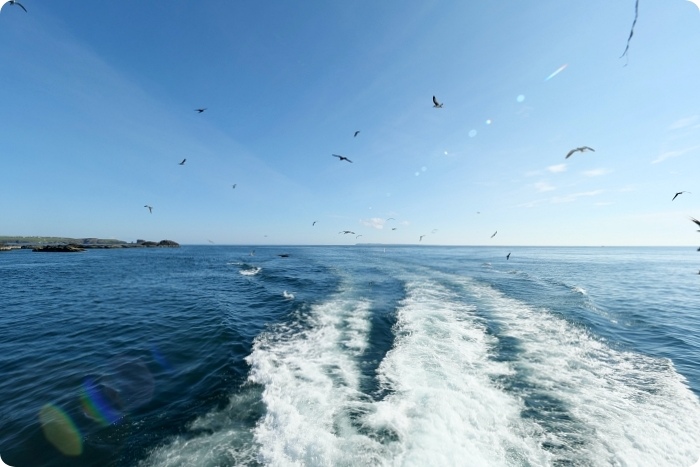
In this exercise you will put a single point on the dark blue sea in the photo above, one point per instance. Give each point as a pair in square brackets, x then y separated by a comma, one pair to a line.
[350, 356]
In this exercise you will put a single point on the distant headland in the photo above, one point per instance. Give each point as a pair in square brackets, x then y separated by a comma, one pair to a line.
[68, 244]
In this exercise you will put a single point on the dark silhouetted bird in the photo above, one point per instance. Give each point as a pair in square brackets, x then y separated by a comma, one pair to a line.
[356, 133]
[421, 238]
[200, 110]
[494, 234]
[183, 162]
[680, 193]
[341, 158]
[508, 256]
[345, 232]
[581, 149]
[150, 208]
[436, 104]
[313, 223]
[12, 2]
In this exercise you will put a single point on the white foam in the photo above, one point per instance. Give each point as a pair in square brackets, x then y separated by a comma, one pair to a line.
[250, 272]
[311, 380]
[215, 439]
[288, 295]
[445, 407]
[628, 409]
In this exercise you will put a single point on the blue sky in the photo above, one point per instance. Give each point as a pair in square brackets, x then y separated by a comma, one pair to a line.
[97, 102]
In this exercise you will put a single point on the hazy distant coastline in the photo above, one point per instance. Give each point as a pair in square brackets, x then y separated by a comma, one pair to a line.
[11, 243]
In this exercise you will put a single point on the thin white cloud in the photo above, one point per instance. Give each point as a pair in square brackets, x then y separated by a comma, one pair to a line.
[543, 186]
[531, 204]
[557, 168]
[670, 154]
[374, 222]
[596, 172]
[574, 196]
[684, 122]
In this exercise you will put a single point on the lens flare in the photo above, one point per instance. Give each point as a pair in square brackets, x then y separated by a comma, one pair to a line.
[472, 133]
[99, 402]
[520, 98]
[160, 359]
[60, 430]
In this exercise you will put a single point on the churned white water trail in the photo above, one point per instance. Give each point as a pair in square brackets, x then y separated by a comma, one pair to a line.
[444, 405]
[218, 438]
[311, 379]
[620, 408]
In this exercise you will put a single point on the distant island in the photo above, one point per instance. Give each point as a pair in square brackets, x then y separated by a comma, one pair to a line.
[67, 244]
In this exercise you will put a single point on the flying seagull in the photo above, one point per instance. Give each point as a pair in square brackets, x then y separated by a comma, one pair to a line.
[359, 236]
[436, 104]
[494, 234]
[421, 238]
[12, 2]
[345, 232]
[234, 185]
[508, 256]
[581, 149]
[183, 162]
[313, 223]
[390, 219]
[394, 228]
[680, 193]
[636, 14]
[356, 133]
[150, 208]
[341, 158]
[200, 110]
[696, 221]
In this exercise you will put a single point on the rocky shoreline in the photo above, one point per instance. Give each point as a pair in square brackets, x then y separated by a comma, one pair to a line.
[74, 247]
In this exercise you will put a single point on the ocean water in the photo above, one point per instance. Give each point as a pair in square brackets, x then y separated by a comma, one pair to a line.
[350, 356]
